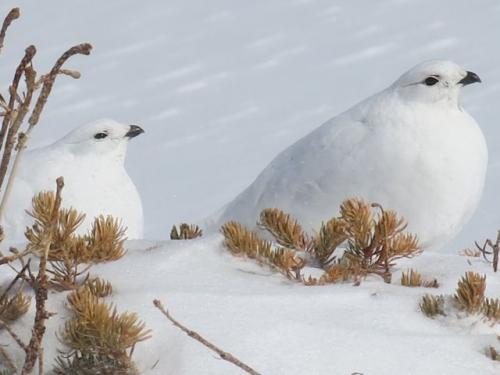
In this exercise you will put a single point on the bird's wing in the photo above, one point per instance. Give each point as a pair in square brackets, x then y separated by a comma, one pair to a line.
[306, 170]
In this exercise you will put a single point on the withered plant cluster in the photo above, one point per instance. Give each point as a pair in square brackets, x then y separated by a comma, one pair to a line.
[412, 278]
[373, 239]
[185, 232]
[490, 251]
[69, 253]
[469, 297]
[100, 340]
[20, 111]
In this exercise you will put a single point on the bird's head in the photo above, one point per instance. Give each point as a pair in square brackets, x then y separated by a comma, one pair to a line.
[434, 81]
[100, 138]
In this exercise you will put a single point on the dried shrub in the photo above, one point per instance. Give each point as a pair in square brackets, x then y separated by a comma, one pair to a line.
[104, 242]
[491, 251]
[12, 308]
[284, 228]
[64, 242]
[99, 287]
[185, 232]
[373, 242]
[66, 274]
[432, 305]
[491, 309]
[412, 278]
[100, 329]
[242, 242]
[470, 292]
[330, 236]
[106, 239]
[493, 353]
[473, 253]
[92, 364]
[98, 335]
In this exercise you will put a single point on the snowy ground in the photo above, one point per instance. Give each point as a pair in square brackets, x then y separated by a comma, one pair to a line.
[221, 87]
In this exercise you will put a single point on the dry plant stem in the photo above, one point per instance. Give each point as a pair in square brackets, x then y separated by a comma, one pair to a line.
[41, 288]
[7, 361]
[83, 49]
[224, 355]
[12, 258]
[19, 275]
[13, 335]
[13, 15]
[28, 56]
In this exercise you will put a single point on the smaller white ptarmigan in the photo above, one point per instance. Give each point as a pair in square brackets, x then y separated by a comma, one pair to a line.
[91, 160]
[411, 148]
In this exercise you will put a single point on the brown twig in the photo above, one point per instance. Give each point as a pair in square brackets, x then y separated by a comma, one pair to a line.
[19, 275]
[7, 361]
[13, 15]
[82, 49]
[41, 287]
[14, 257]
[224, 355]
[28, 56]
[13, 335]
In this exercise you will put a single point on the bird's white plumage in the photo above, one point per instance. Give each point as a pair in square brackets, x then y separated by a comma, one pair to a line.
[96, 181]
[411, 148]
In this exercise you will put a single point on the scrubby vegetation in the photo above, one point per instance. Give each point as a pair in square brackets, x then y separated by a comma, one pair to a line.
[373, 239]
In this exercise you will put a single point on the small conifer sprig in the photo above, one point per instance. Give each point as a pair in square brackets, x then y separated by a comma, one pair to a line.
[491, 309]
[284, 228]
[106, 239]
[470, 292]
[412, 278]
[104, 242]
[13, 307]
[97, 334]
[373, 240]
[185, 232]
[432, 305]
[242, 242]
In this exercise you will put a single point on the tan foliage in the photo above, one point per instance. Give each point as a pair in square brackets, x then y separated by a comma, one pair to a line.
[412, 278]
[12, 308]
[97, 334]
[185, 232]
[373, 240]
[242, 242]
[100, 328]
[432, 305]
[470, 292]
[284, 228]
[106, 239]
[104, 242]
[491, 309]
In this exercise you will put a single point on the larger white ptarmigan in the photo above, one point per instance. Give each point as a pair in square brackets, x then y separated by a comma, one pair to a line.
[411, 148]
[91, 160]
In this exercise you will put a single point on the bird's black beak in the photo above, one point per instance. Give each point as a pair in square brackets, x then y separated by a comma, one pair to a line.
[134, 131]
[470, 78]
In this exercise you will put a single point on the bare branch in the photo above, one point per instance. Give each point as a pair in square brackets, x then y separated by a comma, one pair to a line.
[13, 15]
[13, 335]
[224, 355]
[82, 49]
[28, 56]
[41, 290]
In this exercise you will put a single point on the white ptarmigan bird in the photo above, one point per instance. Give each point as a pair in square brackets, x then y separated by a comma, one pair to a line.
[91, 160]
[411, 148]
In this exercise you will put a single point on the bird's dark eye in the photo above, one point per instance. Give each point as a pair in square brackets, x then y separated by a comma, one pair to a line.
[431, 81]
[100, 135]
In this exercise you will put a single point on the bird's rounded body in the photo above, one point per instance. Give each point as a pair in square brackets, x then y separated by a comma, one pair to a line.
[96, 184]
[427, 162]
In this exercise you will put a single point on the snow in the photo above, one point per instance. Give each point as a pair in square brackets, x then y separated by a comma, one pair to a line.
[220, 88]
